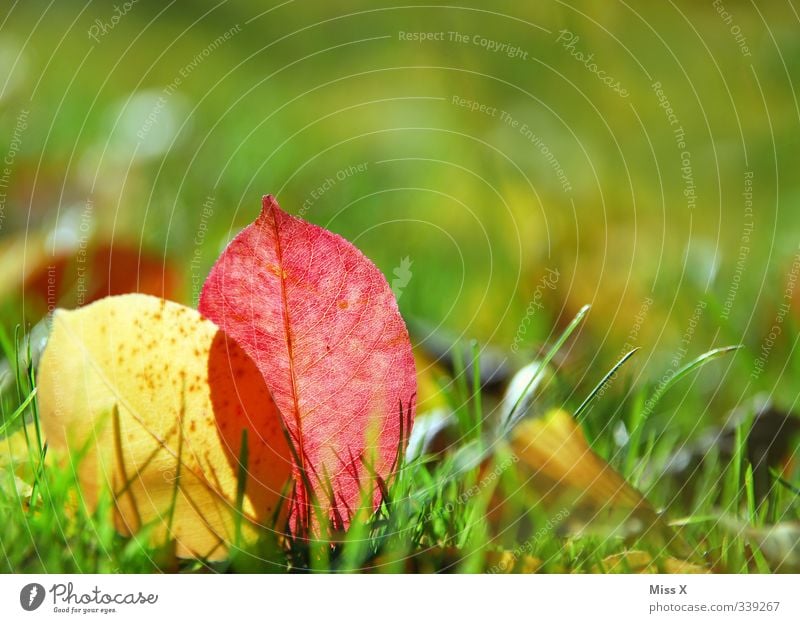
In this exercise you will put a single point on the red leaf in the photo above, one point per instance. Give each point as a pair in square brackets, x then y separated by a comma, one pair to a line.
[321, 323]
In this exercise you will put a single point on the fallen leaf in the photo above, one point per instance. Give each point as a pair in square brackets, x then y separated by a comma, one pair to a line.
[506, 562]
[555, 446]
[321, 323]
[636, 561]
[16, 452]
[44, 276]
[564, 468]
[160, 397]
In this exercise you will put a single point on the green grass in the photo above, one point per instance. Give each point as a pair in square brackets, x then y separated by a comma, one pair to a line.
[298, 96]
[442, 513]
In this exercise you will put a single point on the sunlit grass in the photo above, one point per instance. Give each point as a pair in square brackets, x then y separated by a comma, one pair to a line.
[467, 510]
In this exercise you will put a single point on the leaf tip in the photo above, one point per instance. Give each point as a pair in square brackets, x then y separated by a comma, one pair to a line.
[269, 204]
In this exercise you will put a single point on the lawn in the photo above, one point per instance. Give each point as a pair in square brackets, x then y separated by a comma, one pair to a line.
[587, 216]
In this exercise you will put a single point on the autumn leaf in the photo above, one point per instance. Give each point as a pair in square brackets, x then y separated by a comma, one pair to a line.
[506, 561]
[31, 268]
[555, 446]
[161, 400]
[555, 453]
[637, 561]
[321, 323]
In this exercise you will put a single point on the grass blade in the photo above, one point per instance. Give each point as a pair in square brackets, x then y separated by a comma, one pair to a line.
[512, 417]
[685, 371]
[599, 387]
[18, 412]
[788, 485]
[476, 389]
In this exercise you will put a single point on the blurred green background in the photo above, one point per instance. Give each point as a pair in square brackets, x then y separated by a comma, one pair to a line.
[158, 126]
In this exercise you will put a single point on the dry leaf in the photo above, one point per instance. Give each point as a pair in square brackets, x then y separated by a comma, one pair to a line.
[564, 468]
[160, 397]
[46, 275]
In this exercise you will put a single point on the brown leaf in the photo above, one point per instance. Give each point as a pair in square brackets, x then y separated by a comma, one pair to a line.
[565, 470]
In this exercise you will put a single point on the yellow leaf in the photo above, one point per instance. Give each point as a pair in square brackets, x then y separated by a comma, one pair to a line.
[159, 397]
[555, 446]
[16, 453]
[17, 465]
[563, 467]
[506, 561]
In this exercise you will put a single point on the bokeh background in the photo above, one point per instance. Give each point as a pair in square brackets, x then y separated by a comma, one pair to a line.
[503, 168]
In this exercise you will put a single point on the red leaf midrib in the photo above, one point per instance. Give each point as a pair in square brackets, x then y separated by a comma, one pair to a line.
[289, 348]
